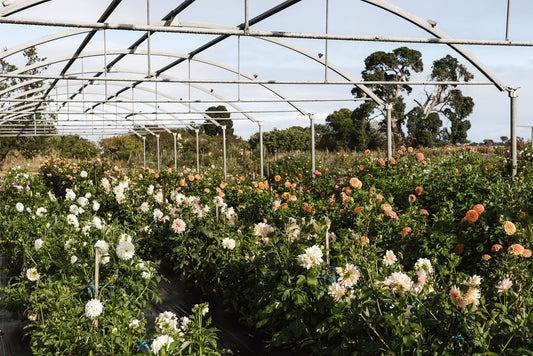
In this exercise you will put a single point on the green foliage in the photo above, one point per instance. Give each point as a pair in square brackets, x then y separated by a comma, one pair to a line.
[423, 121]
[398, 66]
[330, 263]
[291, 139]
[28, 147]
[220, 115]
[423, 131]
[459, 108]
[121, 146]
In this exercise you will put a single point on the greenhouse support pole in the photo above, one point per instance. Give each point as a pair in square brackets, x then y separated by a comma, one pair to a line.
[144, 151]
[158, 156]
[261, 153]
[508, 20]
[224, 148]
[312, 124]
[175, 151]
[389, 131]
[513, 94]
[531, 136]
[197, 151]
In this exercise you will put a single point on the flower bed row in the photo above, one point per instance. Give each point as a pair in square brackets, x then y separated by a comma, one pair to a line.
[55, 246]
[424, 254]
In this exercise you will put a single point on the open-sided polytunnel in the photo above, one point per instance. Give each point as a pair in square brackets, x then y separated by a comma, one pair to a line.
[394, 251]
[144, 68]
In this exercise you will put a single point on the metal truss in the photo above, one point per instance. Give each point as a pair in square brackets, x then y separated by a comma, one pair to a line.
[66, 93]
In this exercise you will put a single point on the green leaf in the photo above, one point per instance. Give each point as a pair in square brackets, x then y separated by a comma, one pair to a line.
[409, 340]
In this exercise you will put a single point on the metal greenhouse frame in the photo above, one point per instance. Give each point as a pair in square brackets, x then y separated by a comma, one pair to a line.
[108, 93]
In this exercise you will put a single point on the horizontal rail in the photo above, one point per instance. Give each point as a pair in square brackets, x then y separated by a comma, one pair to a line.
[251, 33]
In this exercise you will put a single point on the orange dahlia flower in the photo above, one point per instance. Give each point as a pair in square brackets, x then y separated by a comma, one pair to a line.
[485, 257]
[472, 216]
[496, 248]
[479, 208]
[509, 228]
[459, 249]
[515, 249]
[526, 253]
[355, 183]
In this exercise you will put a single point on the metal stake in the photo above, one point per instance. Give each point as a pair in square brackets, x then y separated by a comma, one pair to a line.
[224, 148]
[513, 94]
[261, 154]
[197, 151]
[389, 131]
[312, 124]
[175, 151]
[144, 151]
[158, 156]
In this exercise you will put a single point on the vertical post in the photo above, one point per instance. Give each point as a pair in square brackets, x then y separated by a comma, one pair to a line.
[261, 153]
[149, 69]
[508, 20]
[246, 23]
[105, 67]
[164, 194]
[158, 156]
[224, 148]
[197, 151]
[144, 151]
[327, 249]
[239, 67]
[175, 151]
[513, 94]
[326, 49]
[34, 125]
[388, 106]
[189, 80]
[531, 136]
[96, 269]
[312, 124]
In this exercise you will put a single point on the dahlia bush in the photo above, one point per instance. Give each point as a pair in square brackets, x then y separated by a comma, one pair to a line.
[429, 253]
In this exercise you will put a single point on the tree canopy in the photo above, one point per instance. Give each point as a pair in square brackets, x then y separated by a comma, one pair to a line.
[293, 138]
[424, 121]
[221, 115]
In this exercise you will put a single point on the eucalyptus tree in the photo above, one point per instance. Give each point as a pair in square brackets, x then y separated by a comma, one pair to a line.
[396, 66]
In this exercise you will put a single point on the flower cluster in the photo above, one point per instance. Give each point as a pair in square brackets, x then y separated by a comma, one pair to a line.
[471, 297]
[311, 258]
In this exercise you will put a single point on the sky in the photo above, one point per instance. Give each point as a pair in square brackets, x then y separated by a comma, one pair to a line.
[473, 19]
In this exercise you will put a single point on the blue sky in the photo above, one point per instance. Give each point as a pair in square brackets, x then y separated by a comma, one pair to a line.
[472, 19]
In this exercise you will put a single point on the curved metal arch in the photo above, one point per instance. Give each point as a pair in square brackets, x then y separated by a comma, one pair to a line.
[106, 111]
[196, 86]
[19, 6]
[132, 120]
[117, 122]
[14, 116]
[440, 34]
[143, 89]
[36, 90]
[295, 48]
[167, 54]
[301, 51]
[149, 90]
[49, 38]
